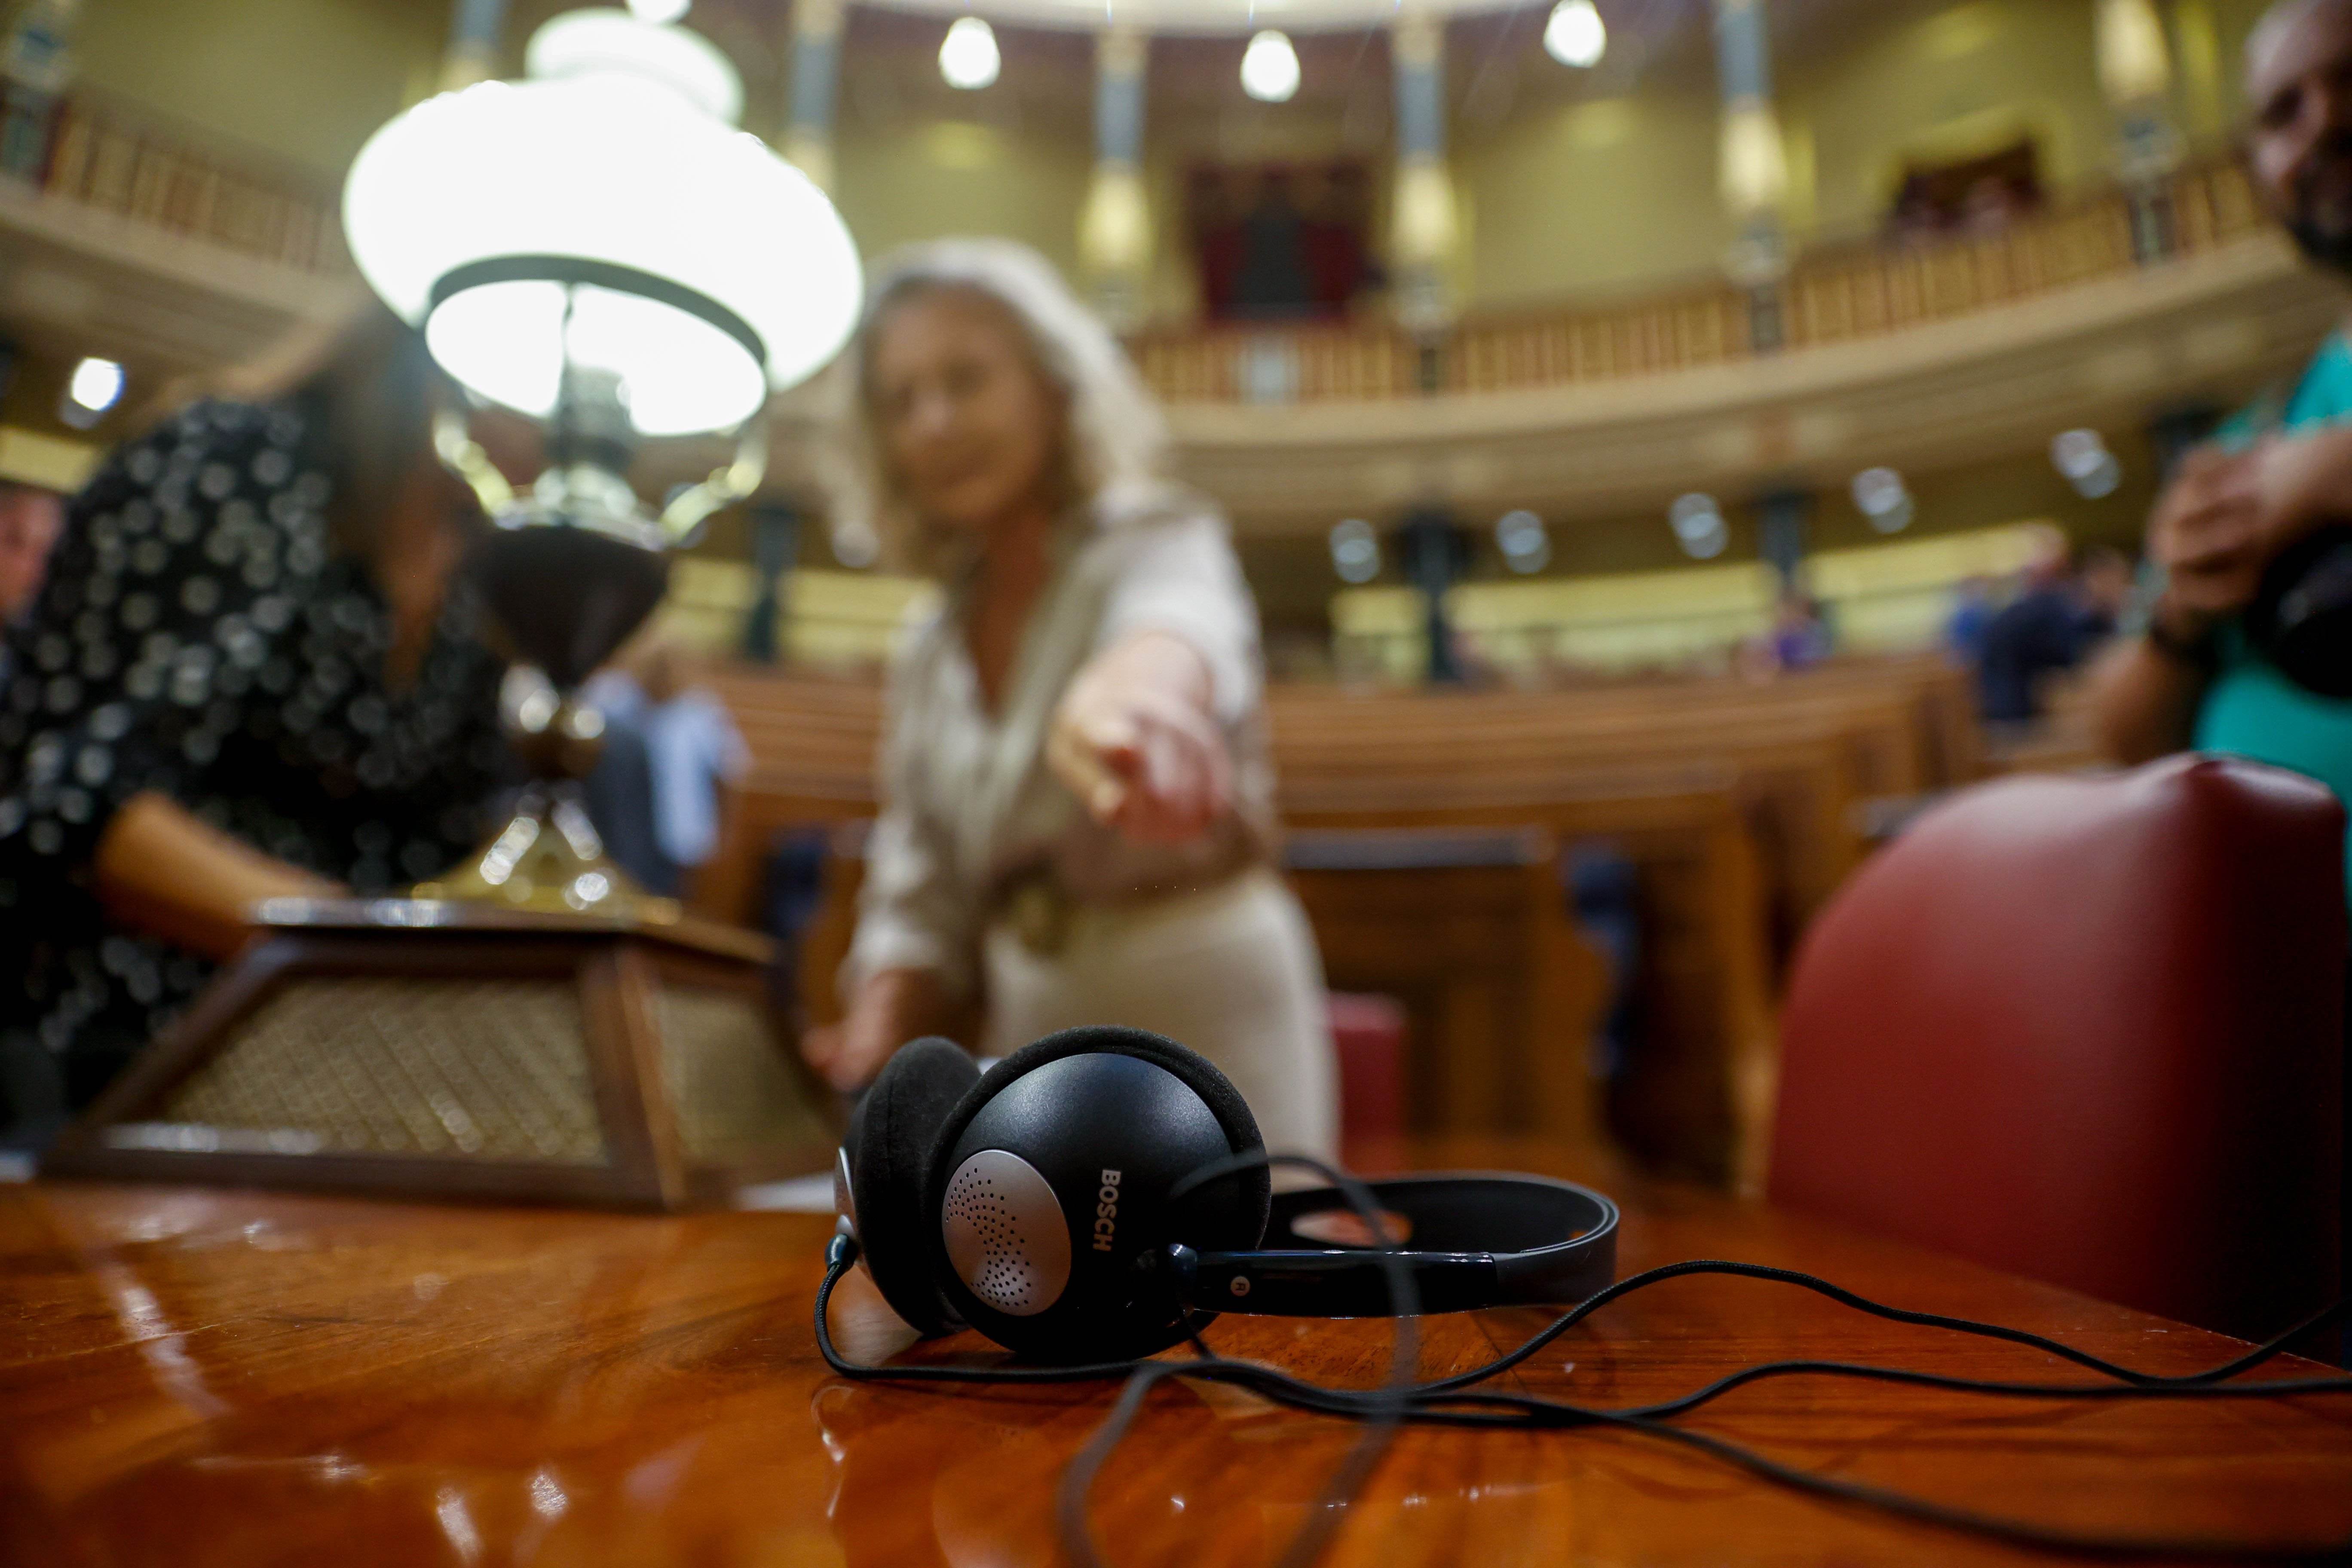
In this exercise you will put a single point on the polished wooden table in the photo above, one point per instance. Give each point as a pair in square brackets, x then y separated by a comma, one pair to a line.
[205, 1377]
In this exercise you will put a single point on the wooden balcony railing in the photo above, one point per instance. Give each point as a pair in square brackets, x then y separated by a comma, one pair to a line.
[107, 158]
[1832, 295]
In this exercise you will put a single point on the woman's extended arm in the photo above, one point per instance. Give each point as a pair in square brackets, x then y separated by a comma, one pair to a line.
[1135, 739]
[165, 871]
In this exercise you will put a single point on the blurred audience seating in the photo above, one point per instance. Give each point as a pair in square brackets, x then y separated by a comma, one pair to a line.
[2090, 1031]
[1741, 805]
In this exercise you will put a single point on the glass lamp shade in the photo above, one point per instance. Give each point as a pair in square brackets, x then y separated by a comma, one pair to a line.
[603, 39]
[608, 218]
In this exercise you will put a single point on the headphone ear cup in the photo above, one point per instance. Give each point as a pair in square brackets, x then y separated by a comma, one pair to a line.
[1102, 1121]
[889, 1151]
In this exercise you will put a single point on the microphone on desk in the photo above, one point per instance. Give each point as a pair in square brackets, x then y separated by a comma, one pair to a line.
[1097, 1194]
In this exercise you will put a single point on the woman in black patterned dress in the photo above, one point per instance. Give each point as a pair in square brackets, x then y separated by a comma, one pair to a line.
[248, 673]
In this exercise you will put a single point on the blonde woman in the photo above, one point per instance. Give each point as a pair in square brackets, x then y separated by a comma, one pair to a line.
[1077, 804]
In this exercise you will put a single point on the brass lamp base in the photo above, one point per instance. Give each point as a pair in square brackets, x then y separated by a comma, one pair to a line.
[548, 858]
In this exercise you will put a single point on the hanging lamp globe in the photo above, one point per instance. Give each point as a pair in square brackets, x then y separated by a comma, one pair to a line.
[603, 215]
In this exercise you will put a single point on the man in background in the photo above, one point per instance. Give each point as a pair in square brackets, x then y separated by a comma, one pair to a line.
[668, 747]
[2049, 628]
[2274, 474]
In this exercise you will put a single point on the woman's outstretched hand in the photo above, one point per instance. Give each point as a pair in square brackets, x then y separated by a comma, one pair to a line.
[1134, 739]
[891, 1009]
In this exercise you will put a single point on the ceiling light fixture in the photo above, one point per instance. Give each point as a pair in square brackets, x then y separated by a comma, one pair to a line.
[1697, 522]
[968, 57]
[2082, 457]
[1881, 495]
[1355, 551]
[1270, 67]
[1526, 548]
[96, 385]
[1576, 36]
[659, 12]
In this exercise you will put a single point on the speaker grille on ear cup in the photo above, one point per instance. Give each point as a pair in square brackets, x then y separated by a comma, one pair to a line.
[1005, 1233]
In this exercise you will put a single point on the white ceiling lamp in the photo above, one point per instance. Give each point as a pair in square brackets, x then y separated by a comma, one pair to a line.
[2081, 456]
[604, 216]
[1698, 525]
[1526, 548]
[96, 385]
[1880, 495]
[1576, 36]
[1355, 551]
[1270, 67]
[968, 56]
[659, 12]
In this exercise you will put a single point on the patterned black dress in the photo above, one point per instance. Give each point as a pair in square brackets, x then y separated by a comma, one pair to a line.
[200, 635]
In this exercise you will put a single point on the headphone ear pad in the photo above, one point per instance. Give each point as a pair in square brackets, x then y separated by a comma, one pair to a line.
[889, 1151]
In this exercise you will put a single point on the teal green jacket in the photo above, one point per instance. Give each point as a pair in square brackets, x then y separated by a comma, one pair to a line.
[2251, 709]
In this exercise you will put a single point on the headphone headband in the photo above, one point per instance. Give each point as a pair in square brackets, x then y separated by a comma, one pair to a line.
[1481, 1239]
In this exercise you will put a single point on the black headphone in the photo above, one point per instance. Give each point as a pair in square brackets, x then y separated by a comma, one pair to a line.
[1058, 1205]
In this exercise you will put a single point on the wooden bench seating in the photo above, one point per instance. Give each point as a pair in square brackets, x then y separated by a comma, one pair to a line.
[1743, 806]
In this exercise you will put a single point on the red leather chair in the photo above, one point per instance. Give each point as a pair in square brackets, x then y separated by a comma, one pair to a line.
[2089, 1030]
[1369, 1035]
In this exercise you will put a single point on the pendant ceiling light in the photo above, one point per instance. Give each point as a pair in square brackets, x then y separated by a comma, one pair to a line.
[604, 217]
[968, 57]
[1576, 36]
[1270, 67]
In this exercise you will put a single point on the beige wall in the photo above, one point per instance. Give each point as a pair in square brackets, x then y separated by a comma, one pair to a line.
[1969, 79]
[304, 81]
[1604, 196]
[935, 178]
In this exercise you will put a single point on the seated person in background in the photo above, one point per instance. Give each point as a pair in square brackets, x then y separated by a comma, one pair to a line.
[1077, 804]
[2276, 473]
[1971, 616]
[1800, 639]
[245, 676]
[30, 521]
[668, 746]
[2052, 626]
[1800, 635]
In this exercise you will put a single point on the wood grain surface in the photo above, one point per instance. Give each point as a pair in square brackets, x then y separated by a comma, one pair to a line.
[213, 1376]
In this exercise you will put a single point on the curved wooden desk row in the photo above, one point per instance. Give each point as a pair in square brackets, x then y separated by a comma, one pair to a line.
[222, 1378]
[1741, 807]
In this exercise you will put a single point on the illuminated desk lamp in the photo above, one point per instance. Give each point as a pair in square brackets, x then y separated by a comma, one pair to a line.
[598, 248]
